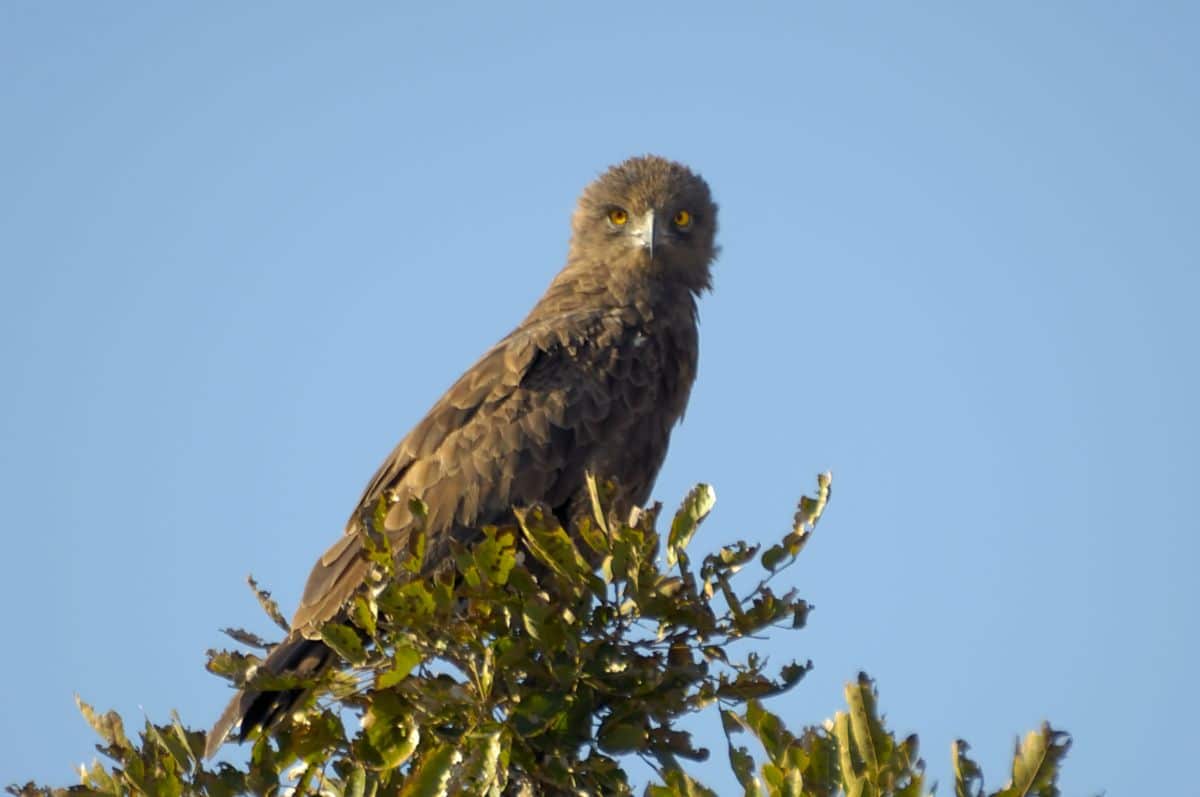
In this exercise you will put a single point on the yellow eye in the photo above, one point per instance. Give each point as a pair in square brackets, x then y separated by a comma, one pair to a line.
[682, 219]
[618, 216]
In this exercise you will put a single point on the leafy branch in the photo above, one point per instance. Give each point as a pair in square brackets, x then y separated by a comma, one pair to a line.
[537, 661]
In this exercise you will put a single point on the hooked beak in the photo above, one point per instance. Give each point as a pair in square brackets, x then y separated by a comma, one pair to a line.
[643, 233]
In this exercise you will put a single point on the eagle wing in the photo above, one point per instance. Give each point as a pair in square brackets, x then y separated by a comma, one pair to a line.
[522, 425]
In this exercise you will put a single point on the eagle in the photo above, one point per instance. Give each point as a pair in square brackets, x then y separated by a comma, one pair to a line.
[591, 382]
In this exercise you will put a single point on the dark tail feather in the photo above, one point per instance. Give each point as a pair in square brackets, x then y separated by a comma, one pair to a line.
[296, 655]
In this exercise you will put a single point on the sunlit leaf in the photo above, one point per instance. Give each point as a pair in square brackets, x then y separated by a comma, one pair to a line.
[345, 641]
[390, 734]
[809, 510]
[691, 513]
[864, 723]
[432, 777]
[364, 614]
[1036, 762]
[108, 726]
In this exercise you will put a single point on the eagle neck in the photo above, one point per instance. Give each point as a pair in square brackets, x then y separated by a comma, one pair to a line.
[585, 286]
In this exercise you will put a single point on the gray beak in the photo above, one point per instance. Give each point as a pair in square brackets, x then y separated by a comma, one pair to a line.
[643, 232]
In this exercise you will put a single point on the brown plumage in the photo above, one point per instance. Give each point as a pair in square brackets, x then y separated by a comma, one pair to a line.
[592, 380]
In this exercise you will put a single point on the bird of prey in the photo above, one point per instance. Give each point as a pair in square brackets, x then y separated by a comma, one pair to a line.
[592, 381]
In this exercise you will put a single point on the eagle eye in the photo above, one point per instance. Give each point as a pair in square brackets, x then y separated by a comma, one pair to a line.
[618, 216]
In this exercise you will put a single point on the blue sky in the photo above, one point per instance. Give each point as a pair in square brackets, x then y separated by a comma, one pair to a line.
[242, 250]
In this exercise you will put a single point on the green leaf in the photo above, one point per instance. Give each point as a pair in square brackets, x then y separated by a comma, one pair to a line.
[742, 764]
[691, 513]
[405, 658]
[553, 547]
[1036, 763]
[542, 622]
[850, 776]
[600, 495]
[495, 555]
[868, 732]
[108, 725]
[727, 560]
[356, 784]
[165, 740]
[432, 777]
[625, 562]
[592, 537]
[390, 733]
[481, 771]
[230, 665]
[627, 735]
[768, 728]
[192, 742]
[376, 521]
[809, 510]
[411, 557]
[345, 641]
[364, 613]
[539, 713]
[968, 779]
[412, 602]
[680, 784]
[773, 556]
[310, 740]
[745, 686]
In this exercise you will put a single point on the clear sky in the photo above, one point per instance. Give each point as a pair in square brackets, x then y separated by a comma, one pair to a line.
[243, 247]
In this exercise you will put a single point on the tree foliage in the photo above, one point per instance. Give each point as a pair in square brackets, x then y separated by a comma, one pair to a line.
[538, 662]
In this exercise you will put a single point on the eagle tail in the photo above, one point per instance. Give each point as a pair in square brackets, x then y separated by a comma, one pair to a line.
[250, 709]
